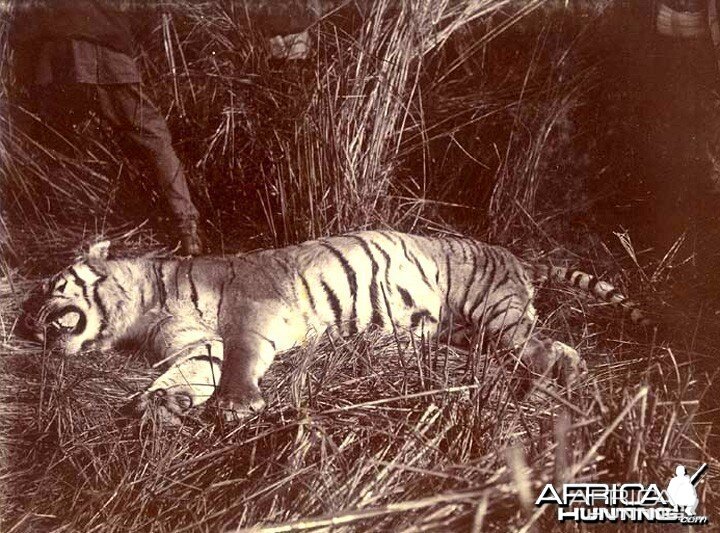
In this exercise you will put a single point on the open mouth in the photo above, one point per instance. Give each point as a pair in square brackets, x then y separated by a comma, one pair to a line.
[68, 320]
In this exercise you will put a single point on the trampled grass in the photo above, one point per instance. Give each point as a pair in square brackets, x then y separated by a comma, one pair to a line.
[421, 115]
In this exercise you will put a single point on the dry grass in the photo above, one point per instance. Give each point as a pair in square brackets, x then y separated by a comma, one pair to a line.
[364, 434]
[433, 116]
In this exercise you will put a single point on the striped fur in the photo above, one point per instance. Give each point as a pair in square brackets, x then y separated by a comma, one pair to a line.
[217, 322]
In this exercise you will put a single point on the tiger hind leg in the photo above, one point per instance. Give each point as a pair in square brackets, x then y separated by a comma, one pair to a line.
[547, 357]
[538, 353]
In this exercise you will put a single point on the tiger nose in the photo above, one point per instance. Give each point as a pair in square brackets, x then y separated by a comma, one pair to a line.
[30, 323]
[29, 327]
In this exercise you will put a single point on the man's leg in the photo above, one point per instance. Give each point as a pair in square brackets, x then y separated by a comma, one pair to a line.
[50, 114]
[131, 113]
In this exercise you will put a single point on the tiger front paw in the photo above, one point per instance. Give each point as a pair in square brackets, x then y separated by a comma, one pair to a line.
[163, 406]
[237, 406]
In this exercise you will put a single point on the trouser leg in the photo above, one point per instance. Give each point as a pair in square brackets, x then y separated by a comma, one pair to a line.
[59, 107]
[132, 114]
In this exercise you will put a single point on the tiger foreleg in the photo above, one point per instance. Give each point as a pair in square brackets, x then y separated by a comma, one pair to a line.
[192, 355]
[186, 384]
[249, 355]
[183, 386]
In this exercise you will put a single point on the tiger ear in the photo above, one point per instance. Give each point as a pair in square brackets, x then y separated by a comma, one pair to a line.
[99, 251]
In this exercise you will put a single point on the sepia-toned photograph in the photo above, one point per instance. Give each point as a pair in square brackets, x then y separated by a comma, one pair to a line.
[359, 265]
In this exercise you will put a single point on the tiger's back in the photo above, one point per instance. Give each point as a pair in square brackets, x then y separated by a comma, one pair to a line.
[390, 280]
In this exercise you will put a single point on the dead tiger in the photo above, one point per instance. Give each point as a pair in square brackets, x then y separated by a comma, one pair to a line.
[216, 323]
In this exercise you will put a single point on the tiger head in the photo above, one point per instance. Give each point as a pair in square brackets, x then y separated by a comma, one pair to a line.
[64, 311]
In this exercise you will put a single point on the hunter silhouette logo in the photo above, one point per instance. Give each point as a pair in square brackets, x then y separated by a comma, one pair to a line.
[681, 490]
[628, 502]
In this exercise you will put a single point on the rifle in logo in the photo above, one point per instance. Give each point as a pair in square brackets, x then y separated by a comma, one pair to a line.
[700, 472]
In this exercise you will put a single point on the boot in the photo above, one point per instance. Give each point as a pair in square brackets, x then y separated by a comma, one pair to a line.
[190, 242]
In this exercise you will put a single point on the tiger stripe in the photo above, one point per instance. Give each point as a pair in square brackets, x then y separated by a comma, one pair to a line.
[80, 283]
[98, 301]
[489, 260]
[406, 298]
[334, 303]
[388, 262]
[193, 288]
[373, 294]
[308, 292]
[352, 285]
[415, 261]
[160, 283]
